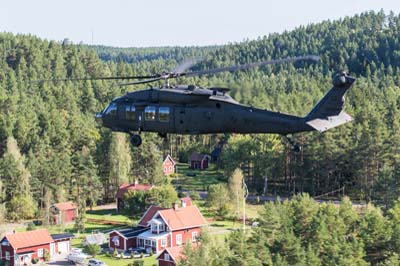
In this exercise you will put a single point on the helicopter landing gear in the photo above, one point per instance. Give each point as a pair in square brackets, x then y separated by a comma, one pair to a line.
[136, 140]
[295, 146]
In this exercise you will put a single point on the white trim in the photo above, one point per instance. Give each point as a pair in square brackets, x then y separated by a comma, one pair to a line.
[125, 247]
[115, 231]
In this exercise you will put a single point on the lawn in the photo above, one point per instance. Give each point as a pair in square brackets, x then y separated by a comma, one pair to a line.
[110, 215]
[199, 180]
[110, 261]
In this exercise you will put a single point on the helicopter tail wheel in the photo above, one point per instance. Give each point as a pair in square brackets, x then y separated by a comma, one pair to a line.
[136, 140]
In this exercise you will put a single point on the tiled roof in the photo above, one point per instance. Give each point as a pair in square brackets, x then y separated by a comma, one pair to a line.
[175, 252]
[29, 238]
[181, 218]
[64, 206]
[125, 187]
[197, 157]
[149, 214]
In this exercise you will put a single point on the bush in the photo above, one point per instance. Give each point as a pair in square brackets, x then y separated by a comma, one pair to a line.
[138, 263]
[31, 226]
[46, 255]
[93, 249]
[35, 260]
[151, 253]
[195, 195]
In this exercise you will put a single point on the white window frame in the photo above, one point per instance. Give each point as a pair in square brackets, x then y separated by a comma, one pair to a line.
[179, 239]
[194, 236]
[166, 256]
[163, 242]
[8, 255]
[40, 253]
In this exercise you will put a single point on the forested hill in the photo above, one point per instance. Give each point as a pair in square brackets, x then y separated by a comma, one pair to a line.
[51, 150]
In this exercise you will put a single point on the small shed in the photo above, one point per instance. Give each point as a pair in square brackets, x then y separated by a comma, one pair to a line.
[168, 165]
[63, 212]
[63, 242]
[198, 161]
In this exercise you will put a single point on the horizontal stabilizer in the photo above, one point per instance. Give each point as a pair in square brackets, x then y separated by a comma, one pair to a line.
[329, 122]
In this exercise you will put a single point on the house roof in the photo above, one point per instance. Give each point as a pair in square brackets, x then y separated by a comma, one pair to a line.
[182, 218]
[65, 206]
[169, 158]
[130, 232]
[125, 187]
[197, 157]
[174, 252]
[29, 238]
[62, 236]
[148, 215]
[186, 200]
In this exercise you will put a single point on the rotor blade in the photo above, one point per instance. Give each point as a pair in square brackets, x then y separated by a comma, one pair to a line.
[96, 78]
[251, 65]
[187, 64]
[141, 81]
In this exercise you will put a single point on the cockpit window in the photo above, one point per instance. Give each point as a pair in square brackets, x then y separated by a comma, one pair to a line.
[150, 113]
[163, 114]
[112, 109]
[130, 112]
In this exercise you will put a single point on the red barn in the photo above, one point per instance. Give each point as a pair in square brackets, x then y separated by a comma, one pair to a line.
[63, 212]
[170, 256]
[20, 248]
[168, 165]
[198, 161]
[126, 187]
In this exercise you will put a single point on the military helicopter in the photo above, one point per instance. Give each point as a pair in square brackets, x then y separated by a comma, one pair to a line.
[189, 109]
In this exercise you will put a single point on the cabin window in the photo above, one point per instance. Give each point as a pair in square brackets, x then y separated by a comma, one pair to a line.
[179, 240]
[7, 255]
[163, 242]
[130, 112]
[194, 236]
[40, 253]
[163, 114]
[150, 113]
[112, 109]
[166, 256]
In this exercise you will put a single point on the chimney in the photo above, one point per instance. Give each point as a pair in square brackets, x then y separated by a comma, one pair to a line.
[183, 203]
[175, 206]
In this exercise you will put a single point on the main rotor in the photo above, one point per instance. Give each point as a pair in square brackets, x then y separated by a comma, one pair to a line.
[180, 71]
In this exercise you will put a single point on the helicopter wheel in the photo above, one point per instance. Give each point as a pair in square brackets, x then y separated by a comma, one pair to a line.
[136, 140]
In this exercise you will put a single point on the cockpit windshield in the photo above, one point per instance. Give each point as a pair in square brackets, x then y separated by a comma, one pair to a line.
[111, 109]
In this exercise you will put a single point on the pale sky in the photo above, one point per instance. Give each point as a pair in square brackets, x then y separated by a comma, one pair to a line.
[143, 23]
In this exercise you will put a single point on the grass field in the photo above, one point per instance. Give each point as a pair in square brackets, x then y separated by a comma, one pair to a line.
[110, 261]
[199, 180]
[110, 215]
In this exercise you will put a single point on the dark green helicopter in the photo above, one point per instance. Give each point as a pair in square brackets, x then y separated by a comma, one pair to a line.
[188, 109]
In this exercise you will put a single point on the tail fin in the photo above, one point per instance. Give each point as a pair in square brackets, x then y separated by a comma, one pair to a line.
[328, 113]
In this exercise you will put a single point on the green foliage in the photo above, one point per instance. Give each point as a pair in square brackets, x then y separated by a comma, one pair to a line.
[46, 255]
[217, 199]
[31, 226]
[93, 249]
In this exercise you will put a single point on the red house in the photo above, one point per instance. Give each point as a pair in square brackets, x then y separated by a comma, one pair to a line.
[164, 228]
[63, 212]
[170, 256]
[168, 165]
[20, 248]
[198, 161]
[126, 187]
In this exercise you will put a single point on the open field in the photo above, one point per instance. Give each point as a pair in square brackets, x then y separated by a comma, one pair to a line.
[199, 180]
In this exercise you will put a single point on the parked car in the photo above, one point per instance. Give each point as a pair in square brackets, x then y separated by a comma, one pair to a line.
[96, 262]
[77, 257]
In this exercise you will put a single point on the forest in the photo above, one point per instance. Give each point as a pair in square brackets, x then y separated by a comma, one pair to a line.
[52, 150]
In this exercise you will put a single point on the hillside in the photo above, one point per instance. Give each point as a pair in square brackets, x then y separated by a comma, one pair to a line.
[52, 150]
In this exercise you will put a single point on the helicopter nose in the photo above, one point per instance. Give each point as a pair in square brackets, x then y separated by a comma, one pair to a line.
[99, 119]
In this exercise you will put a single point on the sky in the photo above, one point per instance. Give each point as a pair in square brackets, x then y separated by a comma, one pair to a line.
[124, 23]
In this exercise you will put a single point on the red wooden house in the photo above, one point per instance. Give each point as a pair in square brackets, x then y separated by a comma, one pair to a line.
[126, 187]
[20, 248]
[63, 212]
[198, 161]
[165, 228]
[170, 256]
[168, 165]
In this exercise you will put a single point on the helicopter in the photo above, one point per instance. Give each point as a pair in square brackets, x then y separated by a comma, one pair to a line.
[190, 109]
